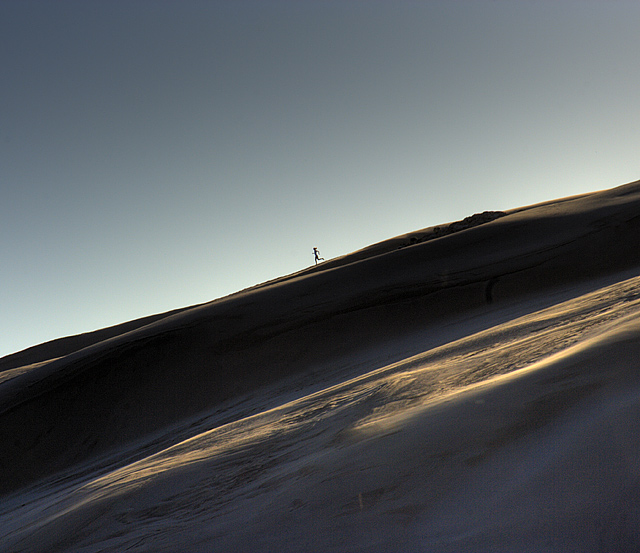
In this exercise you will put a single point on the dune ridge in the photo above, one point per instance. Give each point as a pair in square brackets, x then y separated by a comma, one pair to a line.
[424, 366]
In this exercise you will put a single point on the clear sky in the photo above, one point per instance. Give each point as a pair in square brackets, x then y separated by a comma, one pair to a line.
[158, 154]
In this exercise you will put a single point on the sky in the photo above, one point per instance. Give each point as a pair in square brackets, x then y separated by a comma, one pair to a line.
[159, 154]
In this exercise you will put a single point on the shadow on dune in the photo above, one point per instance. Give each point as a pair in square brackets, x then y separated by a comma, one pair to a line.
[122, 384]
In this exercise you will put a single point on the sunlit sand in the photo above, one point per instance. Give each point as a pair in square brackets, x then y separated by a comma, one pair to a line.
[473, 387]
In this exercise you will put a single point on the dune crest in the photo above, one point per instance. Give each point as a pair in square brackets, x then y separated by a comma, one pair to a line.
[466, 387]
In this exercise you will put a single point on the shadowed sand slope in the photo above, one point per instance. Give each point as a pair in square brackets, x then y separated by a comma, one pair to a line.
[431, 392]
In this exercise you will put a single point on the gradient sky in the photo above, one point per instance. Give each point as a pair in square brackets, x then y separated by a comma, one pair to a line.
[158, 154]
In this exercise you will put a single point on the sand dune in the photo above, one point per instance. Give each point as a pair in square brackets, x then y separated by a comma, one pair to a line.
[468, 387]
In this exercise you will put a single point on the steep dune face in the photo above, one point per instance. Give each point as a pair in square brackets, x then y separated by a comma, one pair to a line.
[491, 350]
[519, 437]
[185, 363]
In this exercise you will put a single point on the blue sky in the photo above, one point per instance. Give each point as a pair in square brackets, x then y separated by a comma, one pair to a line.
[158, 154]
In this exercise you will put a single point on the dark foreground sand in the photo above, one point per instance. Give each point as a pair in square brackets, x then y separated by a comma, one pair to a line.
[473, 387]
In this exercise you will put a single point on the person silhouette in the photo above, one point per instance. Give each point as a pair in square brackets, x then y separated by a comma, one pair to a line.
[316, 255]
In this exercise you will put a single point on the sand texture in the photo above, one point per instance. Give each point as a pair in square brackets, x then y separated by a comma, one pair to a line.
[468, 387]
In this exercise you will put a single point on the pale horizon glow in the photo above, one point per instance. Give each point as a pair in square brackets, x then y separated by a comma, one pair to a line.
[161, 154]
